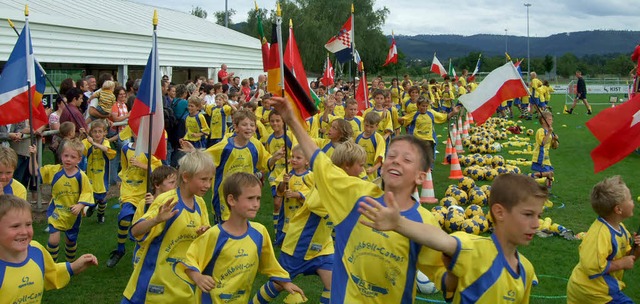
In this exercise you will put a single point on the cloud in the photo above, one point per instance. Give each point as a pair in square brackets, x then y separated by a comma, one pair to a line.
[469, 17]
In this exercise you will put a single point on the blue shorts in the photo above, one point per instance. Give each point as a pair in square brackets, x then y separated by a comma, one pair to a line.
[517, 101]
[509, 103]
[534, 101]
[127, 211]
[100, 197]
[445, 109]
[213, 141]
[541, 168]
[72, 234]
[296, 267]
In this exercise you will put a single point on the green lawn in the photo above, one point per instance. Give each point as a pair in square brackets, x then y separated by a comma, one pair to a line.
[553, 258]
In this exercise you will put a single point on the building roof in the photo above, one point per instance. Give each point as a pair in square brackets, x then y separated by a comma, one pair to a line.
[118, 32]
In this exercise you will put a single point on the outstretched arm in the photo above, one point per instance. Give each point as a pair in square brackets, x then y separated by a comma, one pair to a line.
[304, 140]
[389, 218]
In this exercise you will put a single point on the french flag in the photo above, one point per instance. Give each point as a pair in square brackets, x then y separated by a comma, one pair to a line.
[501, 84]
[341, 44]
[147, 115]
[18, 78]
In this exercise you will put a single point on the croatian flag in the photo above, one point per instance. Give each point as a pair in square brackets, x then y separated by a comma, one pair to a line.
[340, 44]
[501, 84]
[17, 79]
[148, 108]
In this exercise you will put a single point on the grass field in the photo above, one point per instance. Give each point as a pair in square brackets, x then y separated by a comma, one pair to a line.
[553, 258]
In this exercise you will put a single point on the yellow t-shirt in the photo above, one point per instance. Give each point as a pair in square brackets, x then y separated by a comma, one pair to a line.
[16, 188]
[196, 124]
[422, 125]
[66, 191]
[134, 179]
[540, 152]
[386, 124]
[375, 146]
[301, 183]
[219, 115]
[98, 165]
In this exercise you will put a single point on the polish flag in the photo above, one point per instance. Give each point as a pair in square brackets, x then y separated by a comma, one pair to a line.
[618, 130]
[437, 67]
[501, 84]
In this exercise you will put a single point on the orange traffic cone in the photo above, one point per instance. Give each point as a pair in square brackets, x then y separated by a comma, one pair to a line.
[470, 118]
[459, 147]
[460, 123]
[447, 152]
[428, 195]
[465, 129]
[456, 171]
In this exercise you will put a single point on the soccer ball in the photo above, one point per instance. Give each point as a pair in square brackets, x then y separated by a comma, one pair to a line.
[502, 170]
[424, 285]
[530, 132]
[477, 196]
[467, 161]
[497, 147]
[470, 226]
[497, 161]
[439, 217]
[439, 209]
[448, 201]
[460, 196]
[466, 183]
[487, 190]
[449, 191]
[482, 222]
[490, 174]
[467, 171]
[478, 174]
[473, 210]
[453, 220]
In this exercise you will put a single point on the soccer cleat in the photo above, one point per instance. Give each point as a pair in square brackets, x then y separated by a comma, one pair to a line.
[90, 211]
[100, 218]
[589, 112]
[570, 111]
[114, 258]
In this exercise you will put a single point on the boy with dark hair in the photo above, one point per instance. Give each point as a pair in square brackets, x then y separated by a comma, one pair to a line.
[373, 143]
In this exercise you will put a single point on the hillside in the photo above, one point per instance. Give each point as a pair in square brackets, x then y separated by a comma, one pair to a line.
[578, 43]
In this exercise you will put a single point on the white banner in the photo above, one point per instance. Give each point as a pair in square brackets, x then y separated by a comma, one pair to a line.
[592, 89]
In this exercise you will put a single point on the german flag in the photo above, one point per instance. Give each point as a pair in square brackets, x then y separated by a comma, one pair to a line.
[273, 68]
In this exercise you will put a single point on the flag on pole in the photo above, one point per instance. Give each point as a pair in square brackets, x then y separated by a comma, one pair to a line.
[148, 108]
[293, 60]
[19, 76]
[327, 75]
[476, 70]
[362, 92]
[392, 56]
[452, 71]
[340, 44]
[263, 40]
[273, 68]
[618, 130]
[501, 84]
[357, 60]
[437, 67]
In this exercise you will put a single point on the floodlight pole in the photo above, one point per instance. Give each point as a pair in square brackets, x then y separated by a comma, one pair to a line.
[506, 39]
[226, 13]
[528, 52]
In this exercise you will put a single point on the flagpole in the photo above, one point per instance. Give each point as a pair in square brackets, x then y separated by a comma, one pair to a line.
[353, 43]
[29, 67]
[280, 42]
[153, 97]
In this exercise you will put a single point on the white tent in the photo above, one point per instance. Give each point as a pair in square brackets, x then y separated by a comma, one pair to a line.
[118, 33]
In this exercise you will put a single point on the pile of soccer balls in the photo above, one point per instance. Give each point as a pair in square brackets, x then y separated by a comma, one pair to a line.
[452, 216]
[486, 167]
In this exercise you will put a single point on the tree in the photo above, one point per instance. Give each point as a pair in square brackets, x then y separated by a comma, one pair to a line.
[198, 12]
[621, 66]
[219, 16]
[548, 64]
[567, 64]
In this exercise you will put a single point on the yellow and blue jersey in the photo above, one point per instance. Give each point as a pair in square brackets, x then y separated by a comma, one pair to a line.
[395, 95]
[357, 125]
[338, 111]
[309, 232]
[591, 281]
[541, 152]
[25, 282]
[233, 262]
[535, 85]
[219, 115]
[66, 191]
[326, 145]
[154, 278]
[134, 179]
[301, 183]
[375, 146]
[273, 144]
[230, 159]
[386, 124]
[14, 187]
[492, 279]
[409, 107]
[98, 165]
[196, 124]
[422, 125]
[263, 113]
[357, 246]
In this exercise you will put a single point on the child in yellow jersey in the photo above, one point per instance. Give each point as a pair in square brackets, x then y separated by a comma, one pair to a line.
[321, 92]
[262, 113]
[99, 154]
[71, 192]
[261, 130]
[326, 117]
[174, 220]
[219, 111]
[239, 153]
[396, 92]
[389, 105]
[132, 189]
[446, 103]
[434, 95]
[163, 179]
[339, 132]
[385, 128]
[411, 105]
[278, 141]
[8, 163]
[351, 116]
[339, 109]
[373, 144]
[545, 140]
[606, 250]
[26, 268]
[548, 89]
[196, 125]
[421, 124]
[224, 261]
[482, 269]
[293, 186]
[374, 266]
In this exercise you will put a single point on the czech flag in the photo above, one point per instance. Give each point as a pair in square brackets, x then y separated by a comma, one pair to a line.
[17, 79]
[340, 44]
[148, 109]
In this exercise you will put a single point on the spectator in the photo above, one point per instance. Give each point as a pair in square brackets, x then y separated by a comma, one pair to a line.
[224, 77]
[72, 113]
[235, 85]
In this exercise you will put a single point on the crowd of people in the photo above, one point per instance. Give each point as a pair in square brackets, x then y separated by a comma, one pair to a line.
[339, 180]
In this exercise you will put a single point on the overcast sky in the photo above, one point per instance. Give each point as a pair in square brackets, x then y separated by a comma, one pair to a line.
[469, 17]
